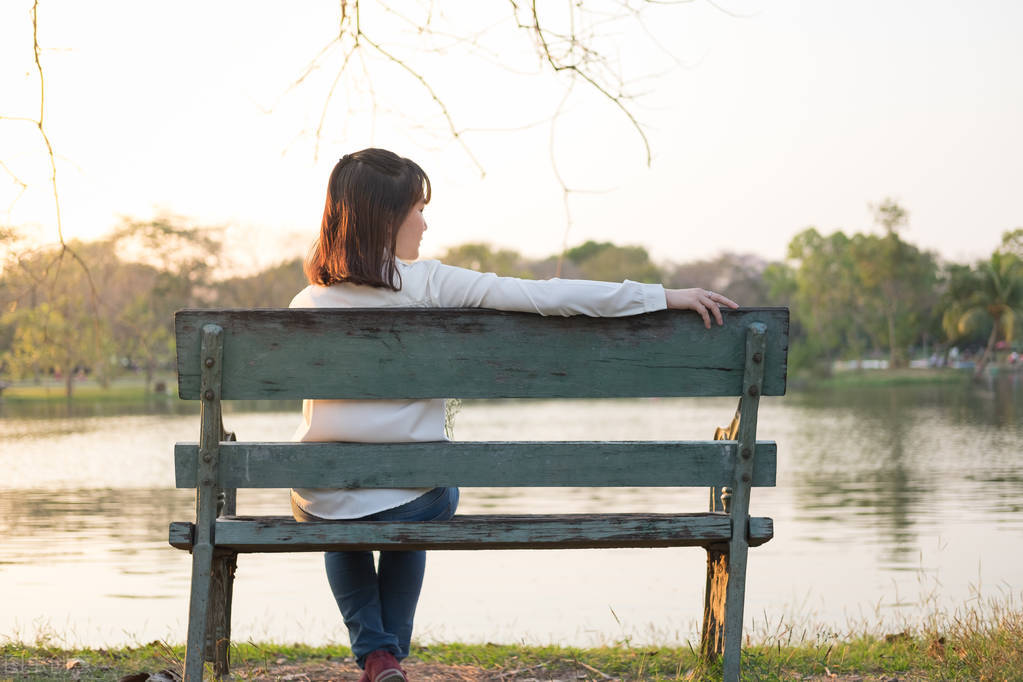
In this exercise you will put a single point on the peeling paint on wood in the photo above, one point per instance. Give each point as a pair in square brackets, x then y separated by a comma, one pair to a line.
[538, 531]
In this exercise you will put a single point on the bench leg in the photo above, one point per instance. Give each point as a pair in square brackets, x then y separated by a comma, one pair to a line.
[209, 503]
[712, 640]
[735, 595]
[218, 617]
[198, 608]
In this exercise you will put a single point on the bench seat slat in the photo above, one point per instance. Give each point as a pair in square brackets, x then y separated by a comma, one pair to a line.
[564, 531]
[476, 464]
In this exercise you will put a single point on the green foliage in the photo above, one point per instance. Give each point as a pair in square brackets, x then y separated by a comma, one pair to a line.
[185, 255]
[960, 286]
[779, 284]
[586, 250]
[609, 263]
[144, 336]
[988, 297]
[859, 293]
[851, 295]
[890, 215]
[1012, 243]
[165, 264]
[274, 287]
[113, 300]
[101, 306]
[896, 288]
[740, 276]
[825, 297]
[33, 349]
[53, 315]
[485, 258]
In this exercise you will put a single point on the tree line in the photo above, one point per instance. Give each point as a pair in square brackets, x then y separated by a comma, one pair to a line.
[851, 296]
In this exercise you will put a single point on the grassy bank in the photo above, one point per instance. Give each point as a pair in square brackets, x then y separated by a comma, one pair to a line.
[965, 647]
[132, 389]
[879, 378]
[126, 390]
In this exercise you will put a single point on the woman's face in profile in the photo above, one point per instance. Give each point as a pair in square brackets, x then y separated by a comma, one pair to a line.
[410, 233]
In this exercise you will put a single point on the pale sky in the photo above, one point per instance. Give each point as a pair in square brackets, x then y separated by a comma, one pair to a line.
[790, 113]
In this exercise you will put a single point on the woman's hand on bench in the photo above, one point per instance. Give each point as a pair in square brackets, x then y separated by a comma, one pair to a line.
[705, 302]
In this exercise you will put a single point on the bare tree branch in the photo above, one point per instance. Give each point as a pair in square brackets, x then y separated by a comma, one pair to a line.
[455, 132]
[349, 25]
[575, 49]
[509, 129]
[42, 129]
[577, 45]
[23, 119]
[372, 98]
[575, 69]
[565, 191]
[18, 182]
[729, 12]
[40, 125]
[330, 95]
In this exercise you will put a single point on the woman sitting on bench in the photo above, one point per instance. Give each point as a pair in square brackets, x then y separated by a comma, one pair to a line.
[365, 257]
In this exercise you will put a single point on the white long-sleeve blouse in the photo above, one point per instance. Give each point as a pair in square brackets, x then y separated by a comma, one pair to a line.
[430, 284]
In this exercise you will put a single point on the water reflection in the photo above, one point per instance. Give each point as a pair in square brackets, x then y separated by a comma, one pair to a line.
[73, 521]
[873, 485]
[854, 464]
[897, 459]
[994, 401]
[153, 405]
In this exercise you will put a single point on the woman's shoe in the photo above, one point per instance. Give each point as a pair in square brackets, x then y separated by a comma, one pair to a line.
[382, 666]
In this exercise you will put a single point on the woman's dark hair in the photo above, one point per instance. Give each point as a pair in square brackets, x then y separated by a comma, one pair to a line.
[369, 195]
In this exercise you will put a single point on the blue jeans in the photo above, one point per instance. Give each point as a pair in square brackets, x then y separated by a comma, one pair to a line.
[378, 603]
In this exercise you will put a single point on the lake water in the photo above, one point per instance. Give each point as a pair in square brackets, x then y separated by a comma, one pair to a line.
[891, 502]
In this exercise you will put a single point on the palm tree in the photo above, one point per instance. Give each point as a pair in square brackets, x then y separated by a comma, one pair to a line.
[993, 291]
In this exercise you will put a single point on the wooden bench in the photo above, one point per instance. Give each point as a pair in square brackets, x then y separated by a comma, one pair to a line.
[436, 353]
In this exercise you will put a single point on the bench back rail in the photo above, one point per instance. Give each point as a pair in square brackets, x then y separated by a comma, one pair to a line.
[443, 353]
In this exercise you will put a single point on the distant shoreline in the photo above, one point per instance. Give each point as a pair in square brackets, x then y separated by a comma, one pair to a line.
[131, 390]
[883, 377]
[86, 390]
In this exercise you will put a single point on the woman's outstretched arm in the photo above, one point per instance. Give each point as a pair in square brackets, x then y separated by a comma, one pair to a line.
[448, 286]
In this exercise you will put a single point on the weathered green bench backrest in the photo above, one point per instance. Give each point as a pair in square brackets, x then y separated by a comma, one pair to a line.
[445, 353]
[416, 353]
